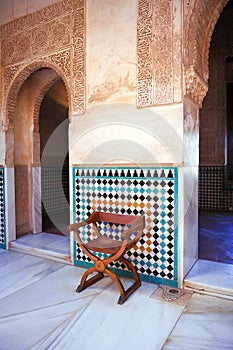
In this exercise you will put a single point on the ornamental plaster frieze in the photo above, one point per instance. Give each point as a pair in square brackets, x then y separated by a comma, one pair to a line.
[158, 49]
[31, 43]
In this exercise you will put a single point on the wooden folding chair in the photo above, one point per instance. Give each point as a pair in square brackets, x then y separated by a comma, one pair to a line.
[112, 248]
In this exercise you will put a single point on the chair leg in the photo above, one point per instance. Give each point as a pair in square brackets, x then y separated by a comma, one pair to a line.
[86, 283]
[130, 267]
[116, 280]
[134, 286]
[124, 294]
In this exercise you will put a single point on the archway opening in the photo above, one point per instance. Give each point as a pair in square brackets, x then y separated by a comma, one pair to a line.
[40, 119]
[53, 127]
[215, 175]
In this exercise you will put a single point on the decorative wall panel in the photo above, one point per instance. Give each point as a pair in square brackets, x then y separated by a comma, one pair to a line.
[133, 190]
[155, 52]
[2, 210]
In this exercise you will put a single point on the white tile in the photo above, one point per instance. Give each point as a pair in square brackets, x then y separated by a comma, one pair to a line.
[33, 329]
[57, 287]
[8, 256]
[41, 310]
[23, 271]
[207, 323]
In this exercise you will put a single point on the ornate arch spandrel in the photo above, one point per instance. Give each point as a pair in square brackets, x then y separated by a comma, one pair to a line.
[46, 77]
[200, 18]
[15, 76]
[55, 34]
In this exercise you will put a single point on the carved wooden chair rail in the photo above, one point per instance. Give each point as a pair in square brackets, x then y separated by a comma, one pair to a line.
[114, 248]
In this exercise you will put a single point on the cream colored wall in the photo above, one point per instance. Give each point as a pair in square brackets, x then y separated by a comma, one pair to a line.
[122, 133]
[113, 129]
[111, 51]
[13, 9]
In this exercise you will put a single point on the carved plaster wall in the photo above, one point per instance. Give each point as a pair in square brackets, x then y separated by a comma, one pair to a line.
[200, 18]
[159, 51]
[53, 37]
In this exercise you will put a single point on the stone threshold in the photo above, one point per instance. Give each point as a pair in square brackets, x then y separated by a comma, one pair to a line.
[43, 252]
[211, 278]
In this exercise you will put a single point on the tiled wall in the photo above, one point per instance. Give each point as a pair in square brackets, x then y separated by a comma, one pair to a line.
[214, 192]
[133, 190]
[2, 210]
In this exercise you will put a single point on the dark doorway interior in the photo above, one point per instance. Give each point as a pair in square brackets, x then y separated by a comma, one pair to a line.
[216, 148]
[53, 124]
[229, 98]
[216, 236]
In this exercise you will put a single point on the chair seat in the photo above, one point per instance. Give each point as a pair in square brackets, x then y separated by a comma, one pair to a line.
[104, 244]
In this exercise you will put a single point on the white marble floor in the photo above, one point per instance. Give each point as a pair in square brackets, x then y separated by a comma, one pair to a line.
[39, 309]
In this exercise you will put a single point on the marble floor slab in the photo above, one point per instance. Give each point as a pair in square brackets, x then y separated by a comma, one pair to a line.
[19, 270]
[40, 310]
[47, 313]
[205, 324]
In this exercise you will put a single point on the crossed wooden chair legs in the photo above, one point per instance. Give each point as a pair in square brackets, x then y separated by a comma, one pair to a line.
[101, 269]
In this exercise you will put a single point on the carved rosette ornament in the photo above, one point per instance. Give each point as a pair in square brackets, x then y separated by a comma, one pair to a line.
[53, 37]
[195, 87]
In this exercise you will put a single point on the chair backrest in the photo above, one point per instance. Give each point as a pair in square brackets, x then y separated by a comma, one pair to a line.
[116, 218]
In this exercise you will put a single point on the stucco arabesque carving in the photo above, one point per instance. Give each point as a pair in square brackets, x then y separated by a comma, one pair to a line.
[198, 29]
[14, 77]
[42, 40]
[195, 87]
[155, 53]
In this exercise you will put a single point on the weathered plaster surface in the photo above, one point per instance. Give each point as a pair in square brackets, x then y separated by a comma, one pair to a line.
[111, 51]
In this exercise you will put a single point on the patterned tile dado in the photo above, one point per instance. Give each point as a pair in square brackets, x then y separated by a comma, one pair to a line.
[2, 210]
[134, 190]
